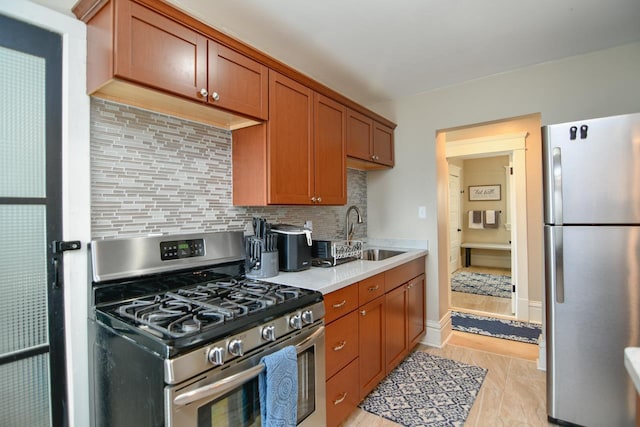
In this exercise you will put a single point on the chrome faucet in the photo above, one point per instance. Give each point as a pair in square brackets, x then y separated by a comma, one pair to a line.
[348, 232]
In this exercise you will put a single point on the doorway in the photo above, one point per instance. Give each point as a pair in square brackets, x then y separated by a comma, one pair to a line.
[480, 253]
[32, 354]
[513, 147]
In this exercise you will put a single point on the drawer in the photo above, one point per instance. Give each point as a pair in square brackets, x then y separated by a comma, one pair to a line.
[341, 343]
[340, 302]
[371, 288]
[342, 394]
[403, 273]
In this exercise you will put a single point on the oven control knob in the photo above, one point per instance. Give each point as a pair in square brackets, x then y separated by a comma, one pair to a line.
[307, 317]
[216, 356]
[269, 333]
[295, 321]
[235, 347]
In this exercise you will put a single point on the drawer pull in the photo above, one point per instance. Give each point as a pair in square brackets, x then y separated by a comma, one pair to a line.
[340, 399]
[374, 288]
[340, 304]
[340, 346]
[363, 312]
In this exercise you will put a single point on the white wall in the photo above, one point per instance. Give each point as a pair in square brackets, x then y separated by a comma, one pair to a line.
[76, 191]
[586, 86]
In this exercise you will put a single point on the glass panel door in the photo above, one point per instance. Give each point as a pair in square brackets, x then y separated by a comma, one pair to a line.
[32, 374]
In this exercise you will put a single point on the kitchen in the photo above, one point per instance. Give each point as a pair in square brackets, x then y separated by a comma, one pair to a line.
[551, 88]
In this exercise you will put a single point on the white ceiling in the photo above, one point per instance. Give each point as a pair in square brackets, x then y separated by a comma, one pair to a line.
[376, 50]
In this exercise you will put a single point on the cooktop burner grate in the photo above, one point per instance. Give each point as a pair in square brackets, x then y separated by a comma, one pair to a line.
[190, 311]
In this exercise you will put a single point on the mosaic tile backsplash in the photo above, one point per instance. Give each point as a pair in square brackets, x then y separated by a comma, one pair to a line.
[152, 173]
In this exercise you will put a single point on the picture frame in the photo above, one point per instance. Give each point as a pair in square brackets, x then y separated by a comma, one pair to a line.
[484, 192]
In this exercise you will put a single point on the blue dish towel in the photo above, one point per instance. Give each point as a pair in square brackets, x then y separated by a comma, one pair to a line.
[278, 388]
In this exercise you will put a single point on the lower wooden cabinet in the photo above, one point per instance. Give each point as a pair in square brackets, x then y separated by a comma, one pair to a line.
[341, 343]
[397, 307]
[371, 345]
[417, 309]
[342, 394]
[371, 326]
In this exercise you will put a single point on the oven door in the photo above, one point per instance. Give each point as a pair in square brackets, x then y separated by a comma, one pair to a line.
[228, 396]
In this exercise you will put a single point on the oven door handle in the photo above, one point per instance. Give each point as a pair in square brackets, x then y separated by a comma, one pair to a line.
[220, 388]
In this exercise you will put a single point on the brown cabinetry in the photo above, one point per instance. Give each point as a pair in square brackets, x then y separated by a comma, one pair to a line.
[369, 143]
[387, 314]
[299, 156]
[342, 394]
[145, 58]
[371, 345]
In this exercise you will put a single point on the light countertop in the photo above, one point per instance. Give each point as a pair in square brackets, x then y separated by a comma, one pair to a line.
[632, 363]
[329, 279]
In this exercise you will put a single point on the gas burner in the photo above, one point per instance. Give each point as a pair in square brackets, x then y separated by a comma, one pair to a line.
[191, 310]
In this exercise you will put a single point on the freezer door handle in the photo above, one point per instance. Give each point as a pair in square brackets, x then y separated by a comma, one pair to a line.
[557, 185]
[555, 262]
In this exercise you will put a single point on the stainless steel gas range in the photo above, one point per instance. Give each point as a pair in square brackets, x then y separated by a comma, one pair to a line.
[177, 333]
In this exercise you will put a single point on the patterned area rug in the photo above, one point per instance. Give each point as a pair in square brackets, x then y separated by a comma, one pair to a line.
[426, 390]
[493, 285]
[499, 328]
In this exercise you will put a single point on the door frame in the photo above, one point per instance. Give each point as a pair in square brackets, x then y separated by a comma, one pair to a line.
[455, 171]
[514, 146]
[76, 191]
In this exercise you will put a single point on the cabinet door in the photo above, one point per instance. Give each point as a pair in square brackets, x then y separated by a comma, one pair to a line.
[341, 343]
[382, 144]
[359, 135]
[396, 319]
[417, 309]
[290, 144]
[330, 151]
[342, 394]
[236, 82]
[371, 346]
[158, 52]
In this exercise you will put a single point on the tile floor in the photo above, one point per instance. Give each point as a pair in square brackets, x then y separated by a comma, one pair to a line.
[512, 394]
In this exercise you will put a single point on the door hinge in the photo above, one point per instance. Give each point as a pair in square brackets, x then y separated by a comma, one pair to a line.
[513, 288]
[510, 171]
[62, 246]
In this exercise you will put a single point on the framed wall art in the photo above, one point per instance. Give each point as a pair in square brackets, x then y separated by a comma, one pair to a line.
[484, 192]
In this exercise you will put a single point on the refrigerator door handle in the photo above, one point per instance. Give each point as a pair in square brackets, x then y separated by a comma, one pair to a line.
[557, 185]
[558, 271]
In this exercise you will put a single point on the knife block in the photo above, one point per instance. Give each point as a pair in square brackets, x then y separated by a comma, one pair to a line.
[268, 266]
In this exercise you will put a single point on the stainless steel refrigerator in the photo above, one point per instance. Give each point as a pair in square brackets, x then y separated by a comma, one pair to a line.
[592, 262]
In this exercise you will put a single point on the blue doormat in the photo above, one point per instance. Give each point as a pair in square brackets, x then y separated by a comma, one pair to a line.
[494, 285]
[498, 328]
[426, 390]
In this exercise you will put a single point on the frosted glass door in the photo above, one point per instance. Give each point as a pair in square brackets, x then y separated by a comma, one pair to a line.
[29, 220]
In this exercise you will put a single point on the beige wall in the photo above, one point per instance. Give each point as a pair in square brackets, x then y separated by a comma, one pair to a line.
[485, 171]
[597, 84]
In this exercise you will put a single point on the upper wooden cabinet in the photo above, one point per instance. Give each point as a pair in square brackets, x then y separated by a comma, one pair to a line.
[236, 82]
[298, 158]
[369, 143]
[141, 57]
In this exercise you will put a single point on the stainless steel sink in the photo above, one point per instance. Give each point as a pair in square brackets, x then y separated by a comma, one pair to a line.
[378, 254]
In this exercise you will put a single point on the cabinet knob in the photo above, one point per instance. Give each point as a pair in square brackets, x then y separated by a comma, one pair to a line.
[215, 96]
[373, 157]
[319, 199]
[204, 93]
[363, 312]
[313, 199]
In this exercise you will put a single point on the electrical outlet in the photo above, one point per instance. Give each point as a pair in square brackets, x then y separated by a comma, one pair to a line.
[422, 212]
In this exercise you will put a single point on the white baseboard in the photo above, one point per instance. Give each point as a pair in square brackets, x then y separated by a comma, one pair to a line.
[438, 332]
[535, 312]
[542, 353]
